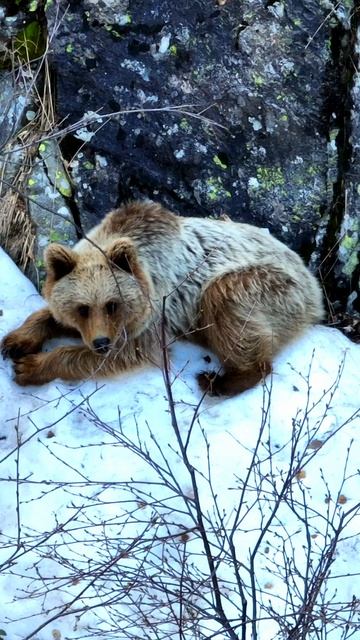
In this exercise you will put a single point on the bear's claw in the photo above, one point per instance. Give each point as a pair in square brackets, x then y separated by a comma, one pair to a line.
[12, 352]
[206, 381]
[26, 370]
[14, 348]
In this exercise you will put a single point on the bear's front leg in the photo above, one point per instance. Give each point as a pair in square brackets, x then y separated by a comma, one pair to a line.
[79, 363]
[67, 363]
[29, 338]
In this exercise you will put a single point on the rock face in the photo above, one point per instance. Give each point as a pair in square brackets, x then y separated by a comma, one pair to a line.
[249, 66]
[241, 108]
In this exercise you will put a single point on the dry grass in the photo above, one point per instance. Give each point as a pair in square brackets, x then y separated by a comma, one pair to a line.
[32, 79]
[17, 235]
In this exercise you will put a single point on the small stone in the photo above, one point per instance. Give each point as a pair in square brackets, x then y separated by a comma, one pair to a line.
[30, 115]
[315, 444]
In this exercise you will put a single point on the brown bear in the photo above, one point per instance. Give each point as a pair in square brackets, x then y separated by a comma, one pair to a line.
[229, 286]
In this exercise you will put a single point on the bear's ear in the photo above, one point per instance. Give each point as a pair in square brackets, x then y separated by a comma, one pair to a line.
[122, 254]
[59, 261]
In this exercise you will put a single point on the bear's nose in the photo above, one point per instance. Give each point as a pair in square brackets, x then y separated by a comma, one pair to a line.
[101, 344]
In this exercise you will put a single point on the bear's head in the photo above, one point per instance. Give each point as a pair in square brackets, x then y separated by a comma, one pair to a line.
[104, 294]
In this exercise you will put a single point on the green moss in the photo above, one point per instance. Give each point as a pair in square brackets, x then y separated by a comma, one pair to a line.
[219, 163]
[297, 211]
[42, 147]
[215, 189]
[184, 124]
[347, 242]
[62, 183]
[33, 5]
[312, 170]
[55, 236]
[248, 16]
[173, 49]
[349, 245]
[69, 48]
[270, 177]
[30, 42]
[258, 79]
[88, 165]
[284, 117]
[31, 182]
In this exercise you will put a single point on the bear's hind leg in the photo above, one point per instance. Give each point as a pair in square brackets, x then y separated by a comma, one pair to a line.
[233, 381]
[237, 329]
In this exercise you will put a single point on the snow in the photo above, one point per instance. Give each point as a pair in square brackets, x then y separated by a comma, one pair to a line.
[99, 532]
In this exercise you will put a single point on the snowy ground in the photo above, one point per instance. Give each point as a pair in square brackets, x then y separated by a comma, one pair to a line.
[99, 510]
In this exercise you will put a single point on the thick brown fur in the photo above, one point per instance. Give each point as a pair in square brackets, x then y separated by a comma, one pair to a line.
[229, 286]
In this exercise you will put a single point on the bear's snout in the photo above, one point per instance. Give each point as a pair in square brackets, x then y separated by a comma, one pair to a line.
[102, 344]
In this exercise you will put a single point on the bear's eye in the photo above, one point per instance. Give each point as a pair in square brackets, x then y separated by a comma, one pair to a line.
[111, 307]
[83, 310]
